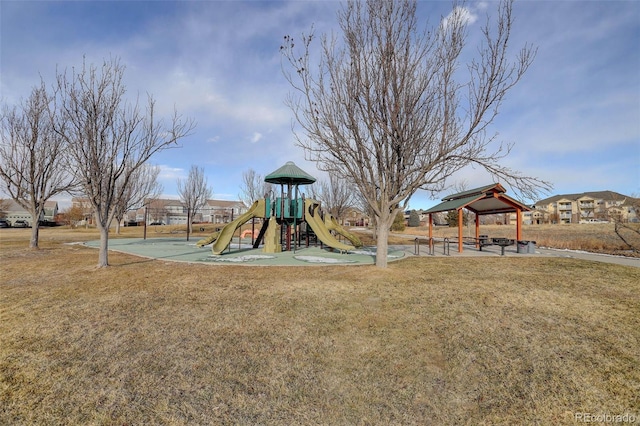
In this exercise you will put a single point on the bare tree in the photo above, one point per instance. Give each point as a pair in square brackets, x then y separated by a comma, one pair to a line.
[108, 137]
[142, 187]
[362, 205]
[462, 186]
[253, 187]
[72, 215]
[157, 210]
[628, 231]
[32, 166]
[194, 193]
[337, 196]
[384, 109]
[4, 206]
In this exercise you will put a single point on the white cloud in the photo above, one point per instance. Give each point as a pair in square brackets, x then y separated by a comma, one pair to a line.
[576, 109]
[463, 14]
[256, 137]
[171, 173]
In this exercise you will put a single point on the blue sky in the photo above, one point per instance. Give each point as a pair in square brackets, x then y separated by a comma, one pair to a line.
[574, 118]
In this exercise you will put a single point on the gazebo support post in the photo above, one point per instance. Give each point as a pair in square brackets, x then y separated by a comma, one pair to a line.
[460, 223]
[477, 230]
[518, 224]
[430, 226]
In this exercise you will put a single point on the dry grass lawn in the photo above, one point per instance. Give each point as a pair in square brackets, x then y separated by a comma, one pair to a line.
[501, 340]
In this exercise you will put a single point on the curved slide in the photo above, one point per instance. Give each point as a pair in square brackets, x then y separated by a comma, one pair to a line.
[225, 235]
[315, 222]
[206, 241]
[332, 225]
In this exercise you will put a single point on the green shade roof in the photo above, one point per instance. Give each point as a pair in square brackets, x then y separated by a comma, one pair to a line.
[494, 187]
[453, 204]
[290, 174]
[489, 199]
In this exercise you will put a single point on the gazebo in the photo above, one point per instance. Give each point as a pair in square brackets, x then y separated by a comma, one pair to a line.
[490, 199]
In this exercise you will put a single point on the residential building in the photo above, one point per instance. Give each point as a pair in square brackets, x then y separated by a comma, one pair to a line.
[222, 211]
[14, 211]
[84, 205]
[587, 207]
[173, 212]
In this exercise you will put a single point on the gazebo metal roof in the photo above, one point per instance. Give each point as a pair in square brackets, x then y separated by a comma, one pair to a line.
[489, 199]
[290, 174]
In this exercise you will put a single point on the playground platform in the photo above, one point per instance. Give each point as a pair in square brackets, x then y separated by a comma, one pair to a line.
[242, 252]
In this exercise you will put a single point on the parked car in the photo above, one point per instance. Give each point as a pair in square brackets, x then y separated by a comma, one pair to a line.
[4, 224]
[20, 224]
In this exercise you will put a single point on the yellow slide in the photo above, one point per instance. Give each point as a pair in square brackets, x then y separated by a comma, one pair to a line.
[313, 219]
[224, 237]
[332, 225]
[206, 241]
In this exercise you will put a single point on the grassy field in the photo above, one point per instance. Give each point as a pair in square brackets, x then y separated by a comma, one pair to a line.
[500, 340]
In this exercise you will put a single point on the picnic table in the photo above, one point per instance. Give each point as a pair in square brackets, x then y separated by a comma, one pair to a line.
[481, 241]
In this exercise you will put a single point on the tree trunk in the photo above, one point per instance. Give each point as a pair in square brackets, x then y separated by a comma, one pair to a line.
[118, 226]
[35, 214]
[35, 231]
[383, 224]
[382, 244]
[103, 255]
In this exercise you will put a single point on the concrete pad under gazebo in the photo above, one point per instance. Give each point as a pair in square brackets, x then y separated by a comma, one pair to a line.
[490, 199]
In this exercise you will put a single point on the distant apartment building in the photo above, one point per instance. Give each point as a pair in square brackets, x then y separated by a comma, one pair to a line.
[587, 207]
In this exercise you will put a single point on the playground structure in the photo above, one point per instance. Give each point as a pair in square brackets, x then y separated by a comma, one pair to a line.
[285, 218]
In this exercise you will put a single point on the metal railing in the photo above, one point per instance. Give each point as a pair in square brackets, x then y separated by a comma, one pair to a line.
[430, 245]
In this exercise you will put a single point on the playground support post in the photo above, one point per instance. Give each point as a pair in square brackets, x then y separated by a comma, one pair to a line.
[295, 214]
[253, 230]
[188, 220]
[229, 246]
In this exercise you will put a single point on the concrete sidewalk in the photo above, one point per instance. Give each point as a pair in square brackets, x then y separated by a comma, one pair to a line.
[470, 251]
[595, 257]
